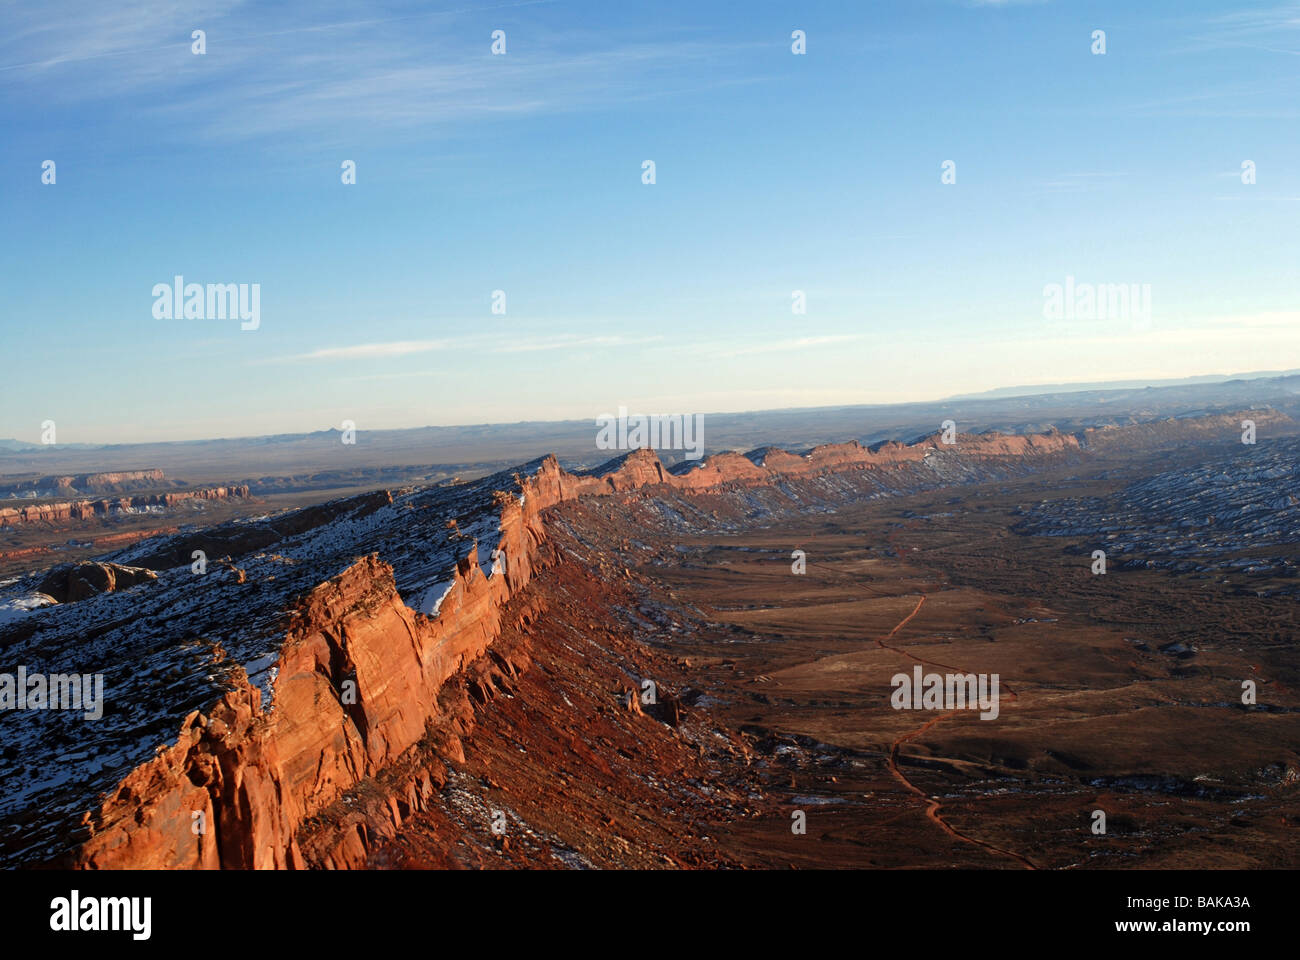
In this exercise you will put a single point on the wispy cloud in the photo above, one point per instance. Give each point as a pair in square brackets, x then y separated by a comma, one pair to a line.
[799, 343]
[1080, 181]
[1269, 319]
[475, 344]
[398, 348]
[1274, 29]
[1282, 327]
[566, 341]
[339, 76]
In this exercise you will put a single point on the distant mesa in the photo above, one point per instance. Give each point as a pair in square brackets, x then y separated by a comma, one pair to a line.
[86, 483]
[71, 510]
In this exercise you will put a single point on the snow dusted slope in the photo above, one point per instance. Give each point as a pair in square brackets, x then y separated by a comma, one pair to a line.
[173, 646]
[1196, 519]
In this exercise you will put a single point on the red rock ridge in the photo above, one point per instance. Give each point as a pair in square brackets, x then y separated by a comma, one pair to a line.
[255, 775]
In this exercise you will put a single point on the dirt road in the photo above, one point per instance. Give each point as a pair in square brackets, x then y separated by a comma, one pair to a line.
[933, 806]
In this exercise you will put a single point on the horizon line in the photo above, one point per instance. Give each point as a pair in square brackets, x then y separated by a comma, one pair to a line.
[992, 395]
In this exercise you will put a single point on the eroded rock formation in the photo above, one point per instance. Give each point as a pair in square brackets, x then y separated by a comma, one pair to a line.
[71, 582]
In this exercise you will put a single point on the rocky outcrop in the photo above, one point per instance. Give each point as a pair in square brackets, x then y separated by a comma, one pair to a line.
[71, 582]
[68, 511]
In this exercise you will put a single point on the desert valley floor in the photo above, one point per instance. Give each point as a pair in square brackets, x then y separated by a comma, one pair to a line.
[1121, 693]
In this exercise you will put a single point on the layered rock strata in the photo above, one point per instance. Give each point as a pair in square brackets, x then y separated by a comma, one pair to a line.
[70, 510]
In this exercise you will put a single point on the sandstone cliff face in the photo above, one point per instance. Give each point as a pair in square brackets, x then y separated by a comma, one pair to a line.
[67, 511]
[357, 681]
[324, 685]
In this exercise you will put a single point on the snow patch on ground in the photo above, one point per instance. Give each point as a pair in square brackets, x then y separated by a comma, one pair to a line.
[430, 601]
[23, 606]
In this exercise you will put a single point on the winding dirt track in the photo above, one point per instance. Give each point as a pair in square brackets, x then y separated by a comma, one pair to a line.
[933, 806]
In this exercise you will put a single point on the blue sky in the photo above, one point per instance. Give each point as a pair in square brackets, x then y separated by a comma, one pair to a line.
[522, 173]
